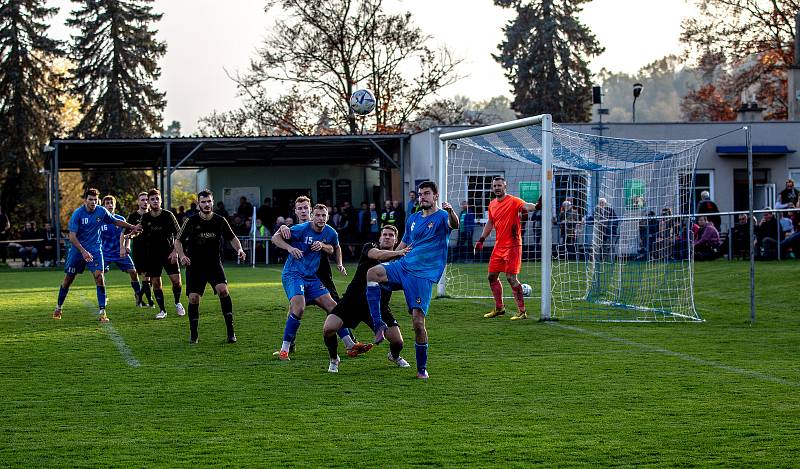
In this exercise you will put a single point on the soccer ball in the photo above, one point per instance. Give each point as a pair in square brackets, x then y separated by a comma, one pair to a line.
[526, 289]
[362, 102]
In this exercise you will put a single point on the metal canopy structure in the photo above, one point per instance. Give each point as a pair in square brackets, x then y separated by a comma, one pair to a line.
[165, 155]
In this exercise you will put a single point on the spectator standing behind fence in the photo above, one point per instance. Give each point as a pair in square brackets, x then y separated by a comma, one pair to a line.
[28, 251]
[5, 234]
[706, 245]
[399, 217]
[707, 206]
[740, 238]
[605, 226]
[387, 215]
[265, 211]
[788, 197]
[47, 253]
[245, 208]
[568, 221]
[412, 205]
[766, 236]
[223, 212]
[466, 232]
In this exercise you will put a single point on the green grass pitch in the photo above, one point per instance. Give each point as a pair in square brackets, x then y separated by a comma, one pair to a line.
[501, 393]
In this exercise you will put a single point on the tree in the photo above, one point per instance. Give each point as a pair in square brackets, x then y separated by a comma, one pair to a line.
[326, 50]
[116, 55]
[460, 110]
[666, 81]
[29, 92]
[546, 57]
[741, 47]
[173, 130]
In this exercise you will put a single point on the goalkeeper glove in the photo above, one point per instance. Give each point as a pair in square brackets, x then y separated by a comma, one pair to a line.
[479, 245]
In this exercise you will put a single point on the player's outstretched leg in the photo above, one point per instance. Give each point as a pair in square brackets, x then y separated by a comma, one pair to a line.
[375, 275]
[497, 293]
[519, 298]
[332, 324]
[226, 304]
[296, 305]
[420, 343]
[101, 296]
[62, 294]
[194, 317]
[395, 346]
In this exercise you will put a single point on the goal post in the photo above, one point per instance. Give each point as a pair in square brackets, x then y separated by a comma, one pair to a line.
[612, 240]
[546, 123]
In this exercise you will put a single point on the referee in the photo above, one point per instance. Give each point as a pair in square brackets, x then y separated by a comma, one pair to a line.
[198, 246]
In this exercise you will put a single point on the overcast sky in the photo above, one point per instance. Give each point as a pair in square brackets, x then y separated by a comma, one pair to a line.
[207, 37]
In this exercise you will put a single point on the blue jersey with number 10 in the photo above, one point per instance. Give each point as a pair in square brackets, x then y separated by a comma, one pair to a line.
[303, 236]
[86, 225]
[109, 236]
[428, 237]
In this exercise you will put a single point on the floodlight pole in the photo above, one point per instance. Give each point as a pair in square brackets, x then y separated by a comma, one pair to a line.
[751, 225]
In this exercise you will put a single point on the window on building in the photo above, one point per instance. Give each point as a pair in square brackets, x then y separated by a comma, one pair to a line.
[479, 193]
[703, 181]
[574, 187]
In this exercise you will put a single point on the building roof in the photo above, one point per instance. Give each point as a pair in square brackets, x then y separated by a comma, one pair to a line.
[226, 151]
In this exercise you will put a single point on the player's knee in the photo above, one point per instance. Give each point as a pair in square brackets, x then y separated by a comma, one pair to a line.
[194, 298]
[512, 280]
[492, 277]
[223, 291]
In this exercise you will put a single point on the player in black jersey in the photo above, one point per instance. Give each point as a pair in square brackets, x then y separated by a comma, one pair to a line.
[136, 249]
[353, 307]
[159, 231]
[302, 209]
[198, 247]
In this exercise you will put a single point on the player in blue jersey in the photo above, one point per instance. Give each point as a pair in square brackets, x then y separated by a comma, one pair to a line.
[428, 232]
[116, 247]
[86, 251]
[300, 282]
[302, 209]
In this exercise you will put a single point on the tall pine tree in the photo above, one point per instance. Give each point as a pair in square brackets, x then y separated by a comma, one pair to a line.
[29, 93]
[117, 55]
[546, 56]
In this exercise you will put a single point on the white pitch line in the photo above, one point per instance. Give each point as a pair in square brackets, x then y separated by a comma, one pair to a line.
[119, 342]
[682, 356]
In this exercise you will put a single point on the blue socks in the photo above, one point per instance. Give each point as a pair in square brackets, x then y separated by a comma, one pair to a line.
[101, 296]
[374, 301]
[290, 331]
[62, 295]
[422, 356]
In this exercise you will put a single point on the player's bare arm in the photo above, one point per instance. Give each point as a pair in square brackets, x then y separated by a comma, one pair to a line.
[135, 229]
[383, 255]
[487, 230]
[320, 246]
[452, 217]
[337, 251]
[181, 256]
[73, 238]
[278, 241]
[238, 246]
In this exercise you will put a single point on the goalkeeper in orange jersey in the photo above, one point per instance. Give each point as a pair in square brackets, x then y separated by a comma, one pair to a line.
[504, 218]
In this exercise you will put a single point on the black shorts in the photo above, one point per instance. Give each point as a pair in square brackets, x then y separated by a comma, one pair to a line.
[139, 257]
[352, 312]
[154, 264]
[197, 276]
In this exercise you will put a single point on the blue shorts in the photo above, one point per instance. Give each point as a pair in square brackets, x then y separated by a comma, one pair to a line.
[417, 290]
[75, 263]
[125, 264]
[310, 287]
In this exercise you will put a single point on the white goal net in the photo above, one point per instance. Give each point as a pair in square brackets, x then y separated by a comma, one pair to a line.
[612, 241]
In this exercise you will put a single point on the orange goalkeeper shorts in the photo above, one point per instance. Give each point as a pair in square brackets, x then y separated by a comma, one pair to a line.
[508, 260]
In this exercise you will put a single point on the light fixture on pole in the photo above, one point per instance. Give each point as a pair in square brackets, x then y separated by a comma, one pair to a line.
[637, 90]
